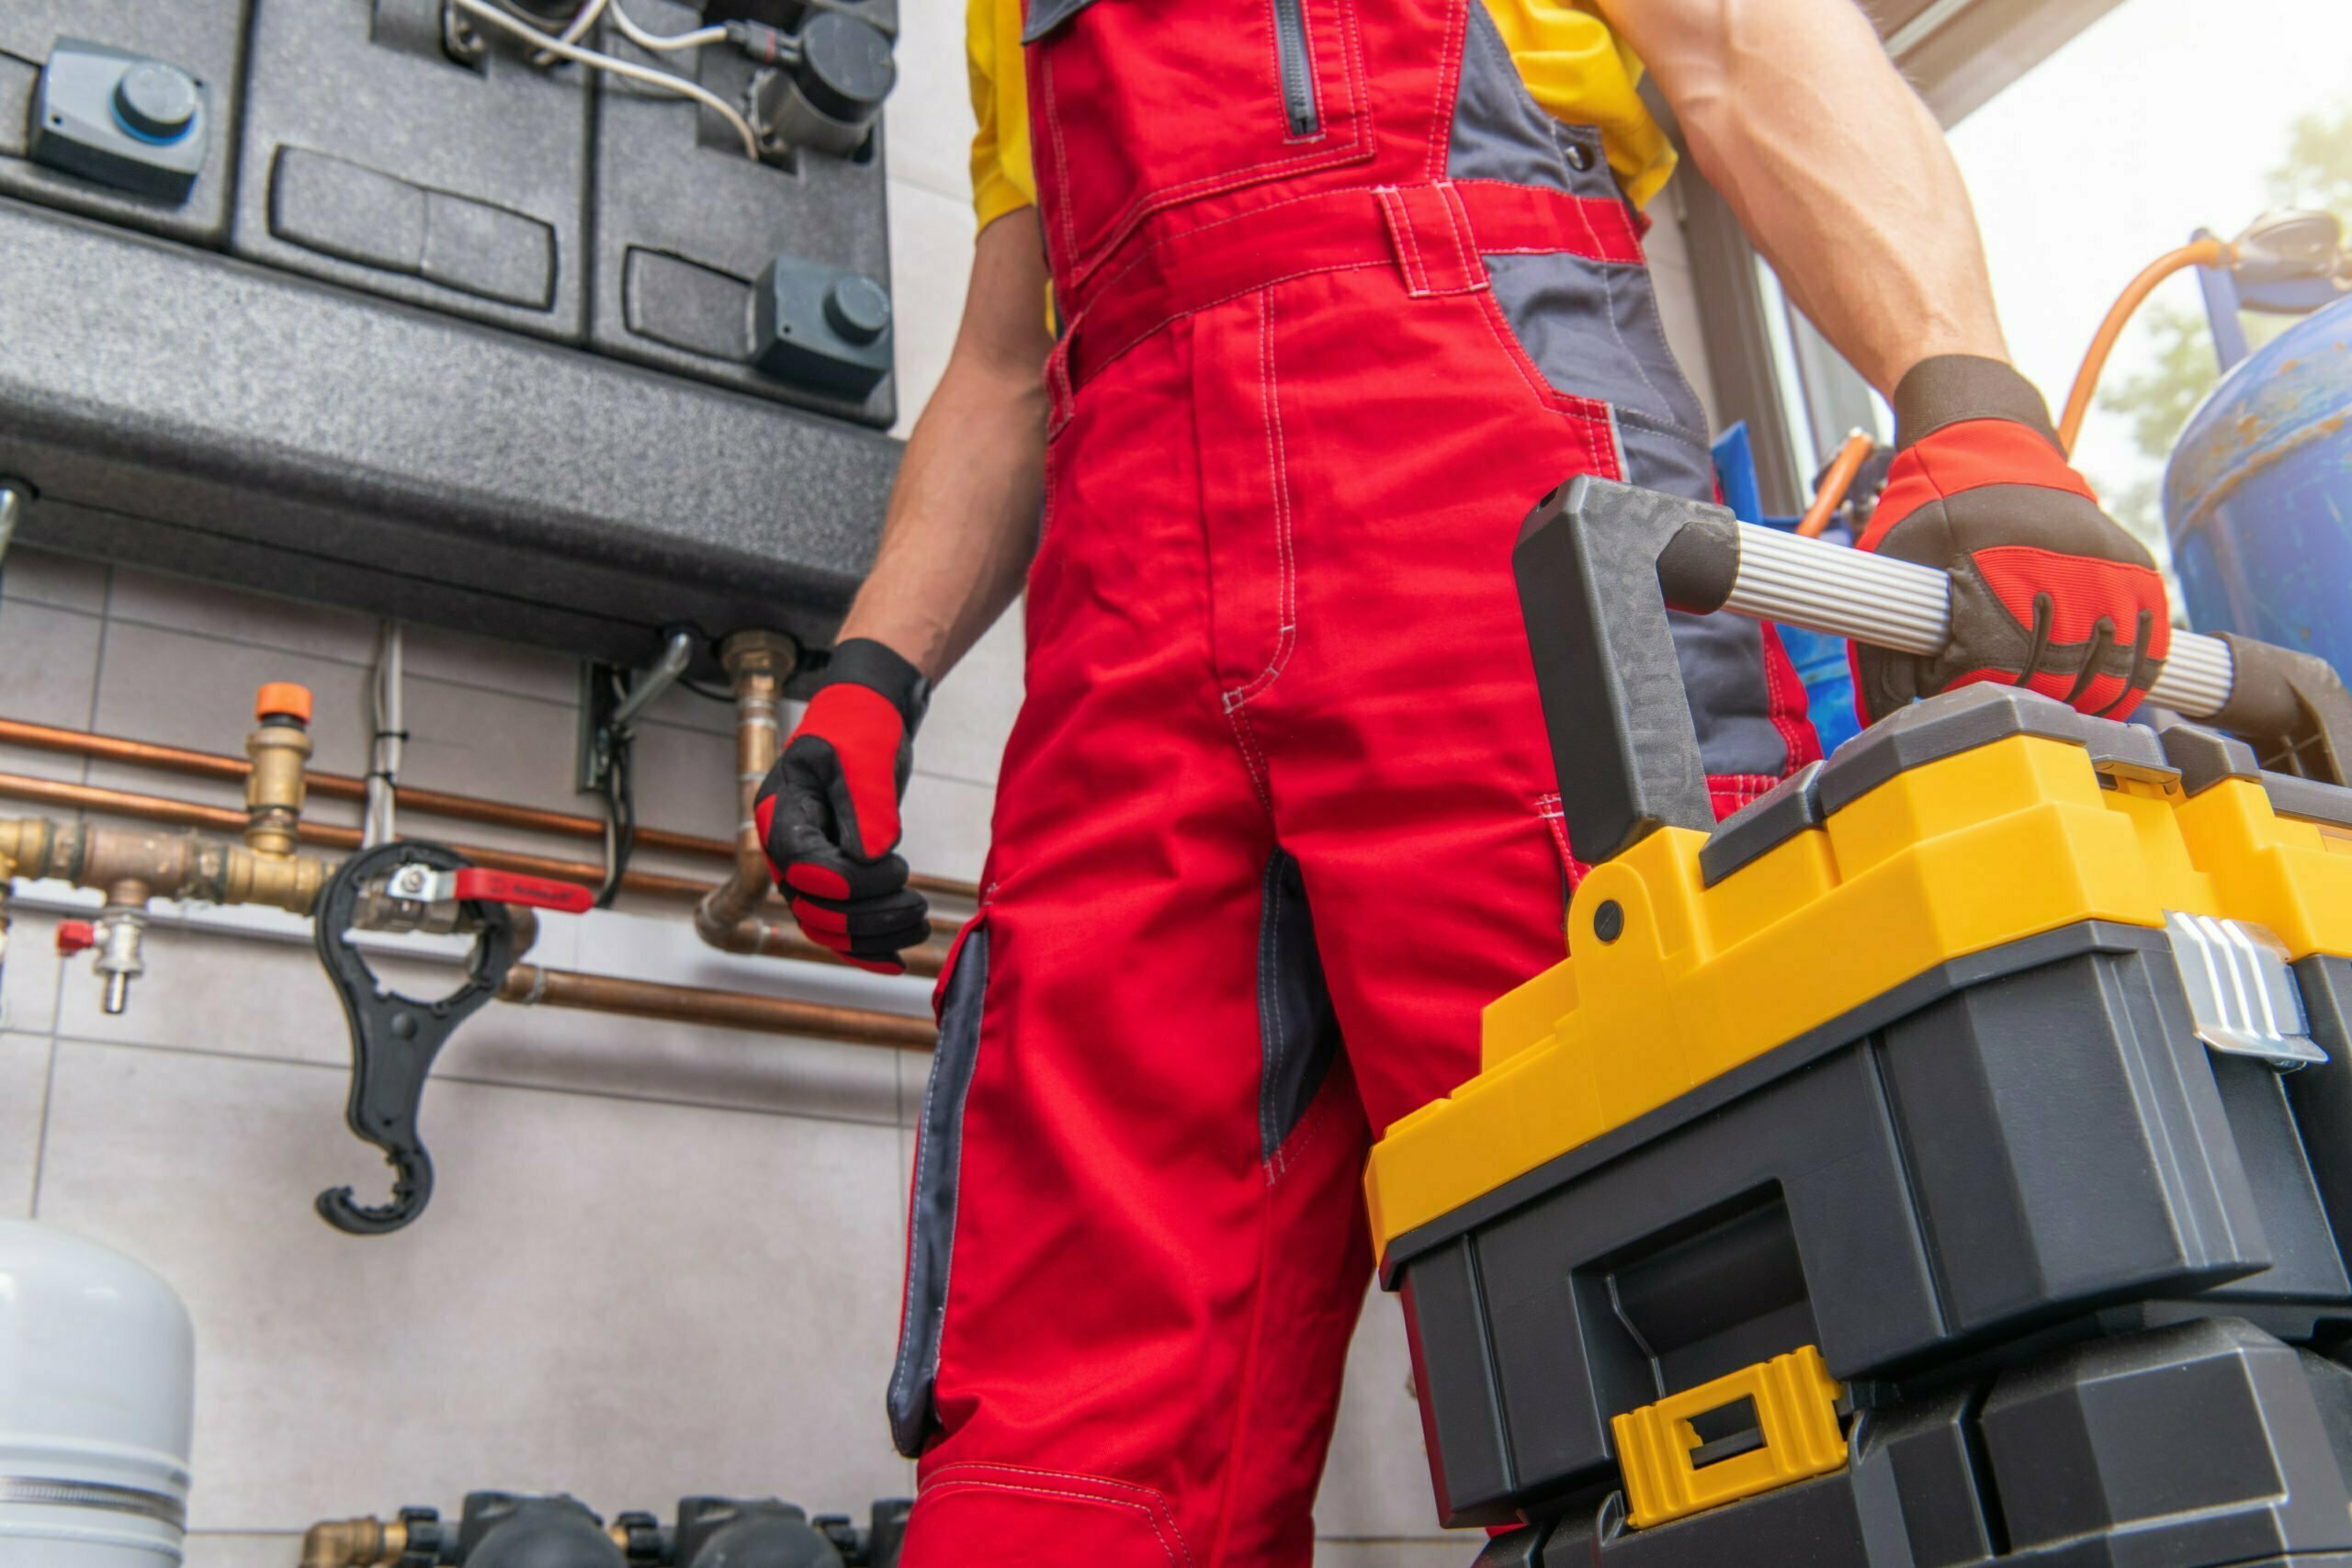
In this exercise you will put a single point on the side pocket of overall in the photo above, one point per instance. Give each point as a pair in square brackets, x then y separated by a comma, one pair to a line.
[931, 1214]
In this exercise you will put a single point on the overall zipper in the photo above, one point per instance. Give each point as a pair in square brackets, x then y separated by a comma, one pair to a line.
[1298, 72]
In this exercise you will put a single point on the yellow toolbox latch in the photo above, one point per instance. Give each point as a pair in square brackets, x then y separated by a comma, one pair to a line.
[1796, 1416]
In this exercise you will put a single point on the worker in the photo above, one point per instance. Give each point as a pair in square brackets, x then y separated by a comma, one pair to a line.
[1338, 289]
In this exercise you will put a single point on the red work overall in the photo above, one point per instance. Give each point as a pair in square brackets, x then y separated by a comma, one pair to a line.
[1279, 816]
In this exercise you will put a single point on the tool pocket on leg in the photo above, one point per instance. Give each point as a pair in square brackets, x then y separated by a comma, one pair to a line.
[931, 1214]
[1071, 1517]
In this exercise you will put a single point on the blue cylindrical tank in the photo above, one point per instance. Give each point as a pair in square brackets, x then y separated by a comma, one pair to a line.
[2259, 494]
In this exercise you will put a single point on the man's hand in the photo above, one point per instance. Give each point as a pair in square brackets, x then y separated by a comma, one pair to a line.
[827, 812]
[2047, 592]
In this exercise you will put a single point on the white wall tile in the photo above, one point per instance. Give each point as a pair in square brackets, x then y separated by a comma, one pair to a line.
[946, 823]
[692, 710]
[233, 615]
[630, 1302]
[243, 997]
[45, 577]
[246, 1551]
[685, 781]
[219, 994]
[242, 1552]
[914, 1078]
[675, 1063]
[928, 119]
[24, 1095]
[49, 664]
[197, 692]
[1458, 1551]
[436, 653]
[971, 713]
[1376, 1486]
[474, 741]
[31, 980]
[48, 670]
[930, 263]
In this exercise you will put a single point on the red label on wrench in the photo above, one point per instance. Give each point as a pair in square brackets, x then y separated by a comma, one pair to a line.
[481, 883]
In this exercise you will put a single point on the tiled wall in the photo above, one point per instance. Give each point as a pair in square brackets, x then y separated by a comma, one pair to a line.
[661, 1258]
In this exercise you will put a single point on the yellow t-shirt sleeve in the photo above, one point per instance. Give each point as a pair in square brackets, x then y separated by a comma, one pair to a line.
[1002, 180]
[1576, 68]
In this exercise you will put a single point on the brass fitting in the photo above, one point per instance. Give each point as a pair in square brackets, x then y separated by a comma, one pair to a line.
[354, 1543]
[279, 749]
[174, 866]
[289, 882]
[24, 845]
[764, 653]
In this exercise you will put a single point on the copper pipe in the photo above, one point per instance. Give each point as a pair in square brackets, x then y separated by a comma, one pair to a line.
[528, 985]
[2203, 253]
[1835, 483]
[430, 801]
[775, 942]
[131, 867]
[728, 916]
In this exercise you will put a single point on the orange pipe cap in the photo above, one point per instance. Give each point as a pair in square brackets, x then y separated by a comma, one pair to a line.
[283, 699]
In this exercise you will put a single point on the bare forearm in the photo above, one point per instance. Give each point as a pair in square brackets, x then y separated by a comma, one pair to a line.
[1836, 169]
[963, 517]
[962, 524]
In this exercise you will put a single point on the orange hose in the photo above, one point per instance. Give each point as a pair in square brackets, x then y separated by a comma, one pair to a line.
[1836, 483]
[2204, 252]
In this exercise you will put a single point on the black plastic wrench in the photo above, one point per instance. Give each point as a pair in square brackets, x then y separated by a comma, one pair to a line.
[393, 1037]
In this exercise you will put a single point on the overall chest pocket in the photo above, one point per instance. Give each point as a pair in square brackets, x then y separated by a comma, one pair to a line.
[1137, 106]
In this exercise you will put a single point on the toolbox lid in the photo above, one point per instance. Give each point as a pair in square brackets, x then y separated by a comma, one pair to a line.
[1941, 725]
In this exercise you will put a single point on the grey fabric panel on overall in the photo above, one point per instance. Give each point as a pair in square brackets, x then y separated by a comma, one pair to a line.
[1592, 329]
[1298, 1030]
[931, 1221]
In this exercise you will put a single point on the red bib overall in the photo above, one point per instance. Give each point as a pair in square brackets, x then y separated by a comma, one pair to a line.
[1279, 817]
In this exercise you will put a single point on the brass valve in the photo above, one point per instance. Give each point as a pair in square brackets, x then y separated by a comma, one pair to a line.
[279, 748]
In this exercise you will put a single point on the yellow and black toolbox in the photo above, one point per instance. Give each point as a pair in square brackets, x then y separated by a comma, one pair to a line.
[1947, 1161]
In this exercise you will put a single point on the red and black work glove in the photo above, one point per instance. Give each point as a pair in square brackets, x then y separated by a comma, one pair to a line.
[2047, 592]
[827, 811]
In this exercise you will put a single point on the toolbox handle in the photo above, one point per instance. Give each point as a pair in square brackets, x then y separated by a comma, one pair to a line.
[1599, 563]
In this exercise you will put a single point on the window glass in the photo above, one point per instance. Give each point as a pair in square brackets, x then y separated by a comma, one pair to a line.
[2162, 117]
